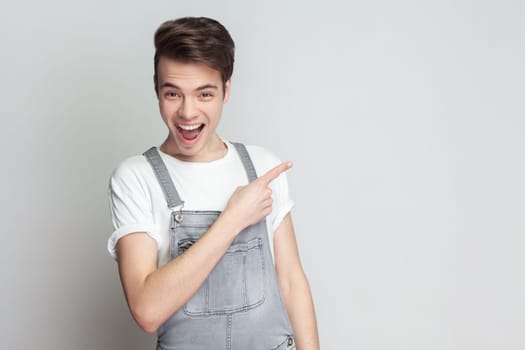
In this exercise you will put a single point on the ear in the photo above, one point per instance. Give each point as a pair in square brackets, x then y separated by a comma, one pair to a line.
[227, 88]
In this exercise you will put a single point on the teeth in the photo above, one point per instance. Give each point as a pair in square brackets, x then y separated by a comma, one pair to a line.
[190, 127]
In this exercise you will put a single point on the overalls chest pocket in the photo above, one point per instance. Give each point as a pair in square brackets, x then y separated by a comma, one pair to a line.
[236, 284]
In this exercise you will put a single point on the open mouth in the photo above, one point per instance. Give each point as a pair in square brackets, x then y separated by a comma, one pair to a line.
[190, 132]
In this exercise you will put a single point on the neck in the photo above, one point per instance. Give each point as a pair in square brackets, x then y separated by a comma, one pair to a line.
[214, 150]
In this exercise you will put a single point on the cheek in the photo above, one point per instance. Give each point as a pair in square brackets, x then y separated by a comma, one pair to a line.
[215, 112]
[166, 109]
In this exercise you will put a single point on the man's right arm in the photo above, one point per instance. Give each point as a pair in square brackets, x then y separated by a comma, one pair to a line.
[154, 294]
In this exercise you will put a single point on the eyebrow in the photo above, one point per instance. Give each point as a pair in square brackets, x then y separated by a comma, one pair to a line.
[202, 87]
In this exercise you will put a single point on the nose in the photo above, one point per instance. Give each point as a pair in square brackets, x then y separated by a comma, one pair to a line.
[188, 109]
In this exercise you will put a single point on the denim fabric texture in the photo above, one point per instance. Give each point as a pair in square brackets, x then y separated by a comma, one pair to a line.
[239, 306]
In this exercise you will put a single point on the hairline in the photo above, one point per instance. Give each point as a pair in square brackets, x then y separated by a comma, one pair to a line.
[185, 61]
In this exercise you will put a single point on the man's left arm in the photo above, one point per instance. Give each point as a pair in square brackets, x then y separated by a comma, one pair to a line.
[294, 287]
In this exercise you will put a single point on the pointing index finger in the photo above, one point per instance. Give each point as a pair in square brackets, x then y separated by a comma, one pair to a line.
[272, 174]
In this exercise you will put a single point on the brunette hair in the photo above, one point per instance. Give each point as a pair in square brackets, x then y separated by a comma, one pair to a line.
[195, 39]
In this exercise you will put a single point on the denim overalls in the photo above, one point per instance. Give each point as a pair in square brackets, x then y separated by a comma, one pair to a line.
[239, 305]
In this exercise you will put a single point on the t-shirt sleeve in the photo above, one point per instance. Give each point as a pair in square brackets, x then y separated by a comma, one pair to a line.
[130, 203]
[282, 201]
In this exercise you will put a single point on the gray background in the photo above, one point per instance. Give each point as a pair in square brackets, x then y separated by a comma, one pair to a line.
[405, 121]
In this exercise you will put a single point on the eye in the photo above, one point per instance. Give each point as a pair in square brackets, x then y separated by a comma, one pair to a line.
[206, 95]
[171, 95]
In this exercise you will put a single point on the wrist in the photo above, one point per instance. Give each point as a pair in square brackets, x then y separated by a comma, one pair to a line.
[229, 224]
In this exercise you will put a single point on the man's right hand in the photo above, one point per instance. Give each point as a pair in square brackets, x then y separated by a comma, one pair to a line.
[249, 204]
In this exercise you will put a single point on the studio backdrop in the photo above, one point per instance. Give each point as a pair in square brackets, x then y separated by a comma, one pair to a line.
[404, 119]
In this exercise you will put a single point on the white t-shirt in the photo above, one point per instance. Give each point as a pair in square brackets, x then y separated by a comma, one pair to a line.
[138, 203]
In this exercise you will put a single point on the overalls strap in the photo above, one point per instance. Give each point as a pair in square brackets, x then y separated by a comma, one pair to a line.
[246, 161]
[166, 183]
[161, 172]
[241, 294]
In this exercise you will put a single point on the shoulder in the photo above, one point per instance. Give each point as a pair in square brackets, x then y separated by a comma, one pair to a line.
[262, 158]
[131, 167]
[132, 173]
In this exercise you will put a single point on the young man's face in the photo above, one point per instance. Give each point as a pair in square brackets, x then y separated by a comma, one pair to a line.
[191, 97]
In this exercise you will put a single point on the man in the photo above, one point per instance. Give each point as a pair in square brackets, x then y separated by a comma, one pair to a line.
[204, 238]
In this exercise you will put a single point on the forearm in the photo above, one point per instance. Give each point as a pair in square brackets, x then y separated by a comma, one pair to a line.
[299, 305]
[163, 291]
[155, 294]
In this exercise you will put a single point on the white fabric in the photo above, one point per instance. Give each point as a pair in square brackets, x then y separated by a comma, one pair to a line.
[138, 203]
